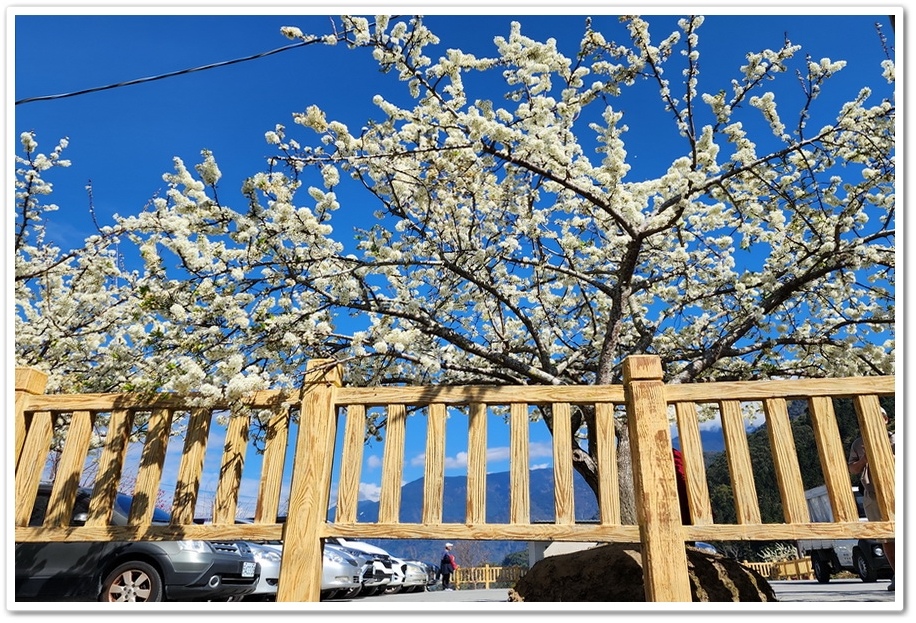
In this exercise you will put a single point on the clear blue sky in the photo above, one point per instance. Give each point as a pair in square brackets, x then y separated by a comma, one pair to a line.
[124, 139]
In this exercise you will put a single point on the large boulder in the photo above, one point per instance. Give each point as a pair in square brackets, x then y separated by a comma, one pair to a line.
[614, 573]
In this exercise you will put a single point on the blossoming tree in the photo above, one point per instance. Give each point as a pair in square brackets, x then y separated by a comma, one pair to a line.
[509, 242]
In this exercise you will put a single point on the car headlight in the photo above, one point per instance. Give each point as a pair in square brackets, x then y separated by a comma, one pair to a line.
[266, 555]
[195, 546]
[334, 557]
[878, 551]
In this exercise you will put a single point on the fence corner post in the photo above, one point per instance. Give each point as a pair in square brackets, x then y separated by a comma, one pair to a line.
[301, 567]
[664, 556]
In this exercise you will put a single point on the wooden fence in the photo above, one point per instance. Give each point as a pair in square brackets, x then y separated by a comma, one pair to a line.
[323, 408]
[487, 576]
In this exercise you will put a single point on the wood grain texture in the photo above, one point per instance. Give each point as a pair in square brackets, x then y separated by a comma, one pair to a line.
[832, 456]
[351, 464]
[688, 426]
[879, 453]
[657, 508]
[191, 467]
[563, 489]
[434, 466]
[149, 475]
[235, 447]
[72, 460]
[744, 489]
[519, 471]
[476, 508]
[276, 444]
[301, 567]
[111, 464]
[608, 483]
[785, 461]
[393, 464]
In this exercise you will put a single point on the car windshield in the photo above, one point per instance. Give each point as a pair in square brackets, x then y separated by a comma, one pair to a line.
[123, 503]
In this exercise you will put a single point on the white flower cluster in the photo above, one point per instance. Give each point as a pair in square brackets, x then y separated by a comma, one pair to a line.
[510, 242]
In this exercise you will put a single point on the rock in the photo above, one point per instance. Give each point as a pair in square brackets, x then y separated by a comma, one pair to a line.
[613, 572]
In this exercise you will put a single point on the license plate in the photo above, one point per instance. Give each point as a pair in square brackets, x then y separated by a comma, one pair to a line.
[248, 569]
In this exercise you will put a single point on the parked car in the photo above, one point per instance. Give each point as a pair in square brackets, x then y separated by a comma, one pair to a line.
[379, 567]
[130, 570]
[410, 576]
[340, 571]
[268, 556]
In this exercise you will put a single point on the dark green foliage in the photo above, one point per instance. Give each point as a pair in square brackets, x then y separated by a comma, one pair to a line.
[719, 480]
[516, 559]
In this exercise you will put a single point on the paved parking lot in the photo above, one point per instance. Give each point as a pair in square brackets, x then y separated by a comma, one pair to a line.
[853, 590]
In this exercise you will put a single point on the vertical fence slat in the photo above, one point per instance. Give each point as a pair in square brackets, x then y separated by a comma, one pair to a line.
[230, 472]
[301, 566]
[608, 487]
[477, 464]
[31, 464]
[351, 464]
[657, 508]
[785, 461]
[392, 465]
[688, 428]
[29, 382]
[434, 469]
[276, 444]
[744, 489]
[878, 450]
[519, 471]
[562, 464]
[832, 456]
[191, 467]
[69, 470]
[149, 475]
[111, 463]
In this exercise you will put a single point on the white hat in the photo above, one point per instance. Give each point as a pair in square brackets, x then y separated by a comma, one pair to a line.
[448, 545]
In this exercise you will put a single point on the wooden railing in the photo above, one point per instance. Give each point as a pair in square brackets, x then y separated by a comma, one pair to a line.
[323, 404]
[794, 569]
[487, 576]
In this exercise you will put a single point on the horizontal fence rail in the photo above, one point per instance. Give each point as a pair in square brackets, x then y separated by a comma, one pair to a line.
[321, 430]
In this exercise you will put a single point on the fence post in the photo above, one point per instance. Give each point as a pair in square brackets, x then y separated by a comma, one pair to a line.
[29, 382]
[303, 559]
[657, 510]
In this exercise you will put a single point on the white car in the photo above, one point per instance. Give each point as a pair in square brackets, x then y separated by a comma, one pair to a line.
[343, 572]
[379, 567]
[268, 555]
[411, 576]
[340, 571]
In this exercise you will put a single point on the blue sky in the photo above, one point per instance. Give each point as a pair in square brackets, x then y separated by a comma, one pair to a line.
[123, 139]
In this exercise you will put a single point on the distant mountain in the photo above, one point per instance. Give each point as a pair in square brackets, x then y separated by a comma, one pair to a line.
[712, 441]
[454, 507]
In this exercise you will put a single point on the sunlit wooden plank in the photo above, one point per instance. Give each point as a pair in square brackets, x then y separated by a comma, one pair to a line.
[519, 469]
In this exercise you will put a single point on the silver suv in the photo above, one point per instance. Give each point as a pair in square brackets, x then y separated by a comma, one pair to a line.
[130, 570]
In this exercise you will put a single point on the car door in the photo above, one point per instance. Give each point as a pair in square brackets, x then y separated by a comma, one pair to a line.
[48, 571]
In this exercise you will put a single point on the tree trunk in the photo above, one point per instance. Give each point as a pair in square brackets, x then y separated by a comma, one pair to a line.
[625, 474]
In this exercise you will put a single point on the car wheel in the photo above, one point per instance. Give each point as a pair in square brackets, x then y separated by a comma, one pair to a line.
[866, 571]
[821, 569]
[132, 581]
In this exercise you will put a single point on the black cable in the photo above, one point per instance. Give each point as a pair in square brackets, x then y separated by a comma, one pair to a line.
[168, 75]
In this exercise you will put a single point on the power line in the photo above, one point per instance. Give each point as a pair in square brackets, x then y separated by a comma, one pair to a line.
[168, 75]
